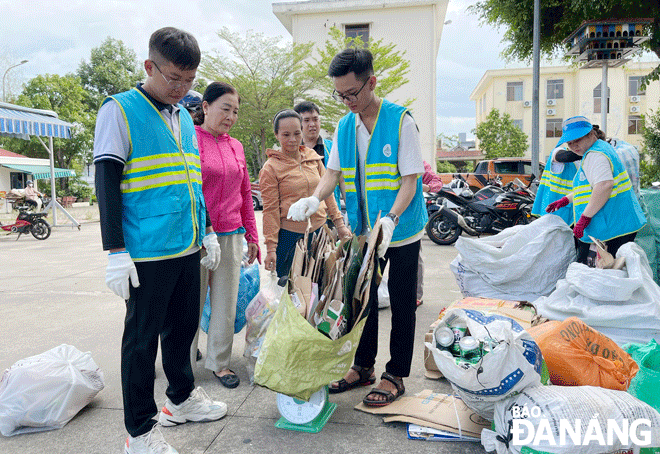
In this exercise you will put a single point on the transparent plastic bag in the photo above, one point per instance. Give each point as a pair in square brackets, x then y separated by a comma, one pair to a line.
[258, 316]
[44, 392]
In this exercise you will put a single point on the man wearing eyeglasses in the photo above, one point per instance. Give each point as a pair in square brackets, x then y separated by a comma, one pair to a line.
[153, 220]
[377, 151]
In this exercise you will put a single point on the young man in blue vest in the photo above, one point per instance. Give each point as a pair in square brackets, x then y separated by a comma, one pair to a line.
[311, 129]
[377, 151]
[153, 219]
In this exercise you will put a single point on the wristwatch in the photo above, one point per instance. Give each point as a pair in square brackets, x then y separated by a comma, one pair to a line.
[394, 218]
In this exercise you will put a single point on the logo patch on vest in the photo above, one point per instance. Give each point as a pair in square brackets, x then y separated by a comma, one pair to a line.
[195, 145]
[387, 150]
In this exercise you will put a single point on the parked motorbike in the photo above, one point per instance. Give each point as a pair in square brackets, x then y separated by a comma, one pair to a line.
[490, 210]
[28, 222]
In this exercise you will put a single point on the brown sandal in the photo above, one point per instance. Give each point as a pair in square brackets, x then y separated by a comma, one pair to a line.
[389, 397]
[367, 377]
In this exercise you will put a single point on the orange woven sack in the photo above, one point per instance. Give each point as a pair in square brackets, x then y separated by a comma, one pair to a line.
[578, 355]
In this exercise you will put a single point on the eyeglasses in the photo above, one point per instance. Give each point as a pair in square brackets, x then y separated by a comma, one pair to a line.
[176, 84]
[350, 98]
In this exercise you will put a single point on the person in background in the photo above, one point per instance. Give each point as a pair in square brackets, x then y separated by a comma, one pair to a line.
[292, 171]
[311, 128]
[604, 203]
[556, 182]
[228, 196]
[153, 216]
[376, 149]
[33, 195]
[431, 182]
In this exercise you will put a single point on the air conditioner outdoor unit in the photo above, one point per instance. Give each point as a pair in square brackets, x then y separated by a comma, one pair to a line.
[552, 102]
[527, 104]
[634, 99]
[634, 109]
[551, 112]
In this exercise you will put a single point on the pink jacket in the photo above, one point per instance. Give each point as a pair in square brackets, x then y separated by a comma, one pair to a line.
[226, 184]
[431, 178]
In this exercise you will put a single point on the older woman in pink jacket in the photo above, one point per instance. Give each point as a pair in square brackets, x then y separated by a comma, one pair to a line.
[228, 195]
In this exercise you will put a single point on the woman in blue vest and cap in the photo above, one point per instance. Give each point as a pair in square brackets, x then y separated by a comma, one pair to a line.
[604, 203]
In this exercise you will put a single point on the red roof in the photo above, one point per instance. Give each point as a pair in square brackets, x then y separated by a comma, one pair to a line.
[470, 153]
[10, 154]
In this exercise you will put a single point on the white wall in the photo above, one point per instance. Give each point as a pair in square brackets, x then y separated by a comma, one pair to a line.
[578, 99]
[414, 28]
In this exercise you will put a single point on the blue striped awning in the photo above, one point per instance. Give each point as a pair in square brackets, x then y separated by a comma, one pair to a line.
[21, 122]
[41, 172]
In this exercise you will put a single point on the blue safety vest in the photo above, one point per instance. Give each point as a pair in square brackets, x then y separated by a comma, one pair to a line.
[327, 146]
[554, 186]
[382, 179]
[621, 214]
[163, 212]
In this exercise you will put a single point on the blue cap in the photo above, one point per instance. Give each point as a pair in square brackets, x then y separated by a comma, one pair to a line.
[192, 101]
[574, 128]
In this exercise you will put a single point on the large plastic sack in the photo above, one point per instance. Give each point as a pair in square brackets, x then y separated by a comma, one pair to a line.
[514, 364]
[623, 304]
[247, 290]
[258, 316]
[533, 421]
[648, 238]
[520, 263]
[577, 355]
[44, 392]
[646, 383]
[296, 359]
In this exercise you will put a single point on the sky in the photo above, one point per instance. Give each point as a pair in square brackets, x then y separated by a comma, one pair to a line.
[56, 35]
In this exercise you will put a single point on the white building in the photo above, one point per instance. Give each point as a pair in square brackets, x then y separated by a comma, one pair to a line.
[414, 26]
[566, 91]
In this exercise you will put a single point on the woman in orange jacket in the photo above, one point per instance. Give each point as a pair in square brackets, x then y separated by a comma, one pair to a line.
[290, 173]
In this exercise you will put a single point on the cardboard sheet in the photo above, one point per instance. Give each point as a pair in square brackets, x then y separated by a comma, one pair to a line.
[436, 410]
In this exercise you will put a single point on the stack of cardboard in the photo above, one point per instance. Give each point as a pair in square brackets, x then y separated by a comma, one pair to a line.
[329, 280]
[435, 410]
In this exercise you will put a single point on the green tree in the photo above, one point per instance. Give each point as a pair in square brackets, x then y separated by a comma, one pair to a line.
[65, 96]
[499, 137]
[446, 141]
[559, 18]
[112, 68]
[268, 76]
[649, 165]
[390, 68]
[445, 167]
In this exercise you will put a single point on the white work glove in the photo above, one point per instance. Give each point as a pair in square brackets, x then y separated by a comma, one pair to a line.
[120, 269]
[212, 259]
[303, 208]
[387, 227]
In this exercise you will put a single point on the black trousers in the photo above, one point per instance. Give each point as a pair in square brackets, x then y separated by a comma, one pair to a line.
[166, 304]
[402, 284]
[613, 246]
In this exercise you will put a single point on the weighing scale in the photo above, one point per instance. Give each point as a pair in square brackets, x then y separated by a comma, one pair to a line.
[305, 416]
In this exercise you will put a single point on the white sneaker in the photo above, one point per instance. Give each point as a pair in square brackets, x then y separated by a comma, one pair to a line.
[198, 407]
[150, 443]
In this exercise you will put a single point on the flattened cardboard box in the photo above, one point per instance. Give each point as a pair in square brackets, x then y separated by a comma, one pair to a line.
[429, 409]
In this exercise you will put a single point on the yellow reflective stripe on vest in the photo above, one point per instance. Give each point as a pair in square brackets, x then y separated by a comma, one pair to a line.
[557, 184]
[349, 178]
[582, 193]
[381, 168]
[384, 184]
[153, 181]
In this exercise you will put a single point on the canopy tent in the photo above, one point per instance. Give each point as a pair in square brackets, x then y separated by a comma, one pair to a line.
[41, 172]
[24, 122]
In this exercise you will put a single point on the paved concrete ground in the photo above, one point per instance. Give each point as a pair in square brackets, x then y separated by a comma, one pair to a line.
[53, 292]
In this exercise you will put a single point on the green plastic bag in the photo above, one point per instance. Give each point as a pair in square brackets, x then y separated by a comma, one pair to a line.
[296, 359]
[646, 383]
